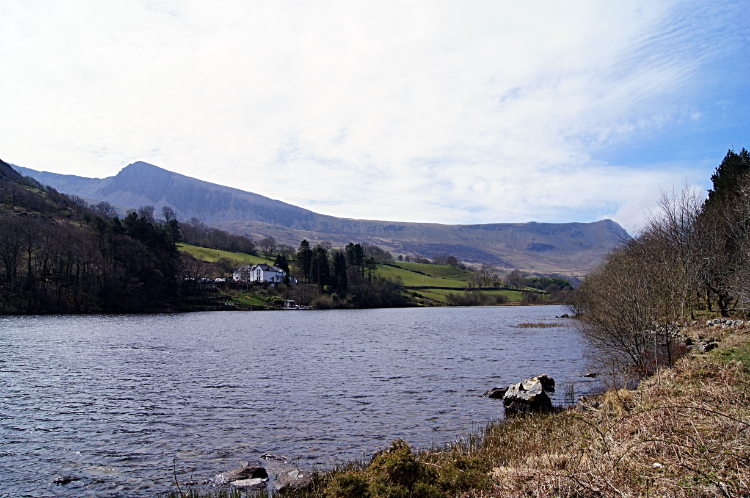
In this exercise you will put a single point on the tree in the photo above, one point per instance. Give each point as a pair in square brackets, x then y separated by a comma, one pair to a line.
[440, 259]
[147, 213]
[281, 262]
[516, 279]
[168, 214]
[11, 245]
[726, 178]
[320, 271]
[304, 256]
[286, 251]
[268, 246]
[378, 254]
[174, 235]
[488, 274]
[339, 276]
[355, 254]
[628, 306]
[104, 209]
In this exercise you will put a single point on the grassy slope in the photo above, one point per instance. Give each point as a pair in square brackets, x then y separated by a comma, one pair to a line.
[437, 271]
[213, 255]
[440, 294]
[411, 278]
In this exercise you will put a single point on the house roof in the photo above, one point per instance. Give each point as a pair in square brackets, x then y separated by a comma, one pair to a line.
[266, 267]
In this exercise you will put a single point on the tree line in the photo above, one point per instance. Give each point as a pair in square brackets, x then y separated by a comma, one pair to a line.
[691, 259]
[347, 276]
[57, 254]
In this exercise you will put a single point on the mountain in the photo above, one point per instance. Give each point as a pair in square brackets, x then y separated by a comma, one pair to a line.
[568, 248]
[8, 173]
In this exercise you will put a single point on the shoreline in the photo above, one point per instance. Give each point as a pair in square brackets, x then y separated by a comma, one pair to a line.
[259, 308]
[680, 432]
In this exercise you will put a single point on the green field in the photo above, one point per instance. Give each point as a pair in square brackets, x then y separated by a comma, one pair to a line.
[441, 294]
[411, 279]
[436, 271]
[213, 255]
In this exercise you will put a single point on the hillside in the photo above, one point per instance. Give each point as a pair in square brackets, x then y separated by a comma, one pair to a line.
[567, 248]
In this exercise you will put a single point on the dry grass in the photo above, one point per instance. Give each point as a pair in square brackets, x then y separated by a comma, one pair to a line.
[683, 433]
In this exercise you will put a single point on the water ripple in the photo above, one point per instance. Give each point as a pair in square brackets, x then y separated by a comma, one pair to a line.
[112, 401]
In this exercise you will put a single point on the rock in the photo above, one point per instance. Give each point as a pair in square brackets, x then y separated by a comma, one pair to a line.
[709, 346]
[587, 403]
[564, 315]
[269, 456]
[529, 396]
[495, 393]
[241, 473]
[294, 479]
[548, 383]
[62, 481]
[257, 482]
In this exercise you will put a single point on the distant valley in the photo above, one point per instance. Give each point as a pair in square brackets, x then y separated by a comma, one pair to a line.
[565, 248]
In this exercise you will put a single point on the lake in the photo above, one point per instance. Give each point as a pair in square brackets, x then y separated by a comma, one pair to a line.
[113, 401]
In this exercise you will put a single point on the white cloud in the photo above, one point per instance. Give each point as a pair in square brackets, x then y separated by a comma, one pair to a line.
[456, 112]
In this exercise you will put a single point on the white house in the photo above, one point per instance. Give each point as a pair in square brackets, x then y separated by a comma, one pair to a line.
[259, 273]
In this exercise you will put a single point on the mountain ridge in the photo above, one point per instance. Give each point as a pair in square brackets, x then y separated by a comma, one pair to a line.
[567, 248]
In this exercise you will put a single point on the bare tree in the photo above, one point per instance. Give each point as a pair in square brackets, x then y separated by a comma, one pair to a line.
[516, 279]
[146, 212]
[104, 209]
[488, 274]
[440, 259]
[286, 251]
[11, 245]
[629, 305]
[168, 214]
[268, 246]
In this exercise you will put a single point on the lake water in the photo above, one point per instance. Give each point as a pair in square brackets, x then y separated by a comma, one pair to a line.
[113, 401]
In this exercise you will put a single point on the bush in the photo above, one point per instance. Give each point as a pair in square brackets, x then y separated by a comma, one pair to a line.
[323, 302]
[532, 297]
[394, 473]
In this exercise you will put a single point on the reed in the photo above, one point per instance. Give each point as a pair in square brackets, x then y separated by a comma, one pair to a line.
[539, 325]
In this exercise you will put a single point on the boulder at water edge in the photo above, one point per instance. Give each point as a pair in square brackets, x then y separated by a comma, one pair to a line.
[256, 483]
[529, 396]
[240, 474]
[294, 479]
[496, 393]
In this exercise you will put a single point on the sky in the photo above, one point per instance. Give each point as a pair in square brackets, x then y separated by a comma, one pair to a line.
[428, 111]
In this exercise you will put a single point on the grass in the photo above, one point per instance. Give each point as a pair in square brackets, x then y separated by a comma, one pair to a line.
[734, 351]
[412, 279]
[213, 255]
[683, 433]
[436, 271]
[441, 294]
[249, 300]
